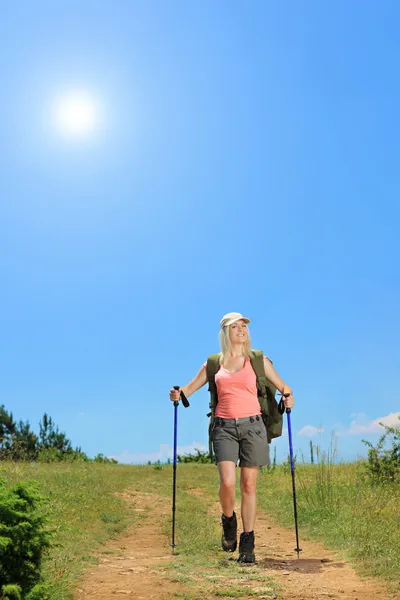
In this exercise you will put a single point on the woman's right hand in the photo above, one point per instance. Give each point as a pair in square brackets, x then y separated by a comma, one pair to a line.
[174, 394]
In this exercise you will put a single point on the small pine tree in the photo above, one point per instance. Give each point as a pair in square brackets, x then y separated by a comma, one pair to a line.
[23, 538]
[7, 430]
[25, 442]
[51, 437]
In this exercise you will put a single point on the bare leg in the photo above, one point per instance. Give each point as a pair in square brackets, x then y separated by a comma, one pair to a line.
[227, 487]
[248, 484]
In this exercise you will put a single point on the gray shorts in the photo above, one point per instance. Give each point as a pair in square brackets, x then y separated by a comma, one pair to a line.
[241, 439]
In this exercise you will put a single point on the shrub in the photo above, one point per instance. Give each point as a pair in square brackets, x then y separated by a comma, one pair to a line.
[100, 458]
[199, 457]
[49, 455]
[11, 591]
[39, 592]
[23, 539]
[286, 465]
[384, 463]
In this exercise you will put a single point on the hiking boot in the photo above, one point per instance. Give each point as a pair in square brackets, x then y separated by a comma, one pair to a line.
[246, 548]
[229, 533]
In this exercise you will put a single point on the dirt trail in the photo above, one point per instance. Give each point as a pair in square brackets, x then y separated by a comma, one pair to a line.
[134, 564]
[317, 575]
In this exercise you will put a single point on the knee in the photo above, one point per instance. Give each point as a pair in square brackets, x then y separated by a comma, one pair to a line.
[227, 485]
[248, 487]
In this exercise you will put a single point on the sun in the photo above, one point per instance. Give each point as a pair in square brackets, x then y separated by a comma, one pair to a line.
[76, 114]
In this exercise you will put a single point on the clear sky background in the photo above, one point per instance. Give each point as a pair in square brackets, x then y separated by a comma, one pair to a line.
[245, 157]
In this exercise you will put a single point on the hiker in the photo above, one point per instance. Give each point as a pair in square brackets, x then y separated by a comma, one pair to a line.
[238, 430]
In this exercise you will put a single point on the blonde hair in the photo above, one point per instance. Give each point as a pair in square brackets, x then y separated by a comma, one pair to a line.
[226, 345]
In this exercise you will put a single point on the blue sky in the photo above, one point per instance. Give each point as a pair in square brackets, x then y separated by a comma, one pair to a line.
[245, 159]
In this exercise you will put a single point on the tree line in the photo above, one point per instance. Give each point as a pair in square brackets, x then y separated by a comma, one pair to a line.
[19, 442]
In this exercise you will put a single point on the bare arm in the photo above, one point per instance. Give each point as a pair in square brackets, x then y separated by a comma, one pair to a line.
[278, 382]
[196, 383]
[192, 387]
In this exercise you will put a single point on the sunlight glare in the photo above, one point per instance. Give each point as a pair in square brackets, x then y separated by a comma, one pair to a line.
[76, 114]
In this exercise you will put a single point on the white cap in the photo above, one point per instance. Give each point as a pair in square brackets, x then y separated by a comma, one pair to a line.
[232, 317]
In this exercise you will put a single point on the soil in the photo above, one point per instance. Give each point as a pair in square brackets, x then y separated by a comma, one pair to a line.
[137, 570]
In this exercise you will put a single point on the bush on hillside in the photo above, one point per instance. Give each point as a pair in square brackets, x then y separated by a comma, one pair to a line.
[384, 462]
[23, 540]
[41, 591]
[100, 458]
[11, 591]
[50, 455]
[199, 457]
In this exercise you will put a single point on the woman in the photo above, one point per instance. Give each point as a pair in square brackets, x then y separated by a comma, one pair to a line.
[239, 432]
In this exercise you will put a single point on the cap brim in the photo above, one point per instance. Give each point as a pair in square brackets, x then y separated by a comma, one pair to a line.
[232, 321]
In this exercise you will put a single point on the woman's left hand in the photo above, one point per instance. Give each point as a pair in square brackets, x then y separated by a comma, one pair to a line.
[289, 401]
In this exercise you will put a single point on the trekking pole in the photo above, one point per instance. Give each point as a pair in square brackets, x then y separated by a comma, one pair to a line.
[176, 404]
[288, 411]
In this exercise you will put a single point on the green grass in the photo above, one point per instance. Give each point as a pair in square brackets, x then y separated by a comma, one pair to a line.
[83, 512]
[336, 505]
[197, 563]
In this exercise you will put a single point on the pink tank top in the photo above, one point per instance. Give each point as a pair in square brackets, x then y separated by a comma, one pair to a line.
[237, 393]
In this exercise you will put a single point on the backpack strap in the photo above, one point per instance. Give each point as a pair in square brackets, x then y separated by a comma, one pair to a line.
[264, 386]
[212, 368]
[257, 362]
[266, 396]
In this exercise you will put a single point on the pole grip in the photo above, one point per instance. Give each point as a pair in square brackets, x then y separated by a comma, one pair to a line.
[185, 401]
[281, 405]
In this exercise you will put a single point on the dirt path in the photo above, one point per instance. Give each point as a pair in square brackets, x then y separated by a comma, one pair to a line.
[317, 575]
[134, 564]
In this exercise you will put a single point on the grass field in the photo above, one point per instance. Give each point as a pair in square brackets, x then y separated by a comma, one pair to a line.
[336, 505]
[83, 512]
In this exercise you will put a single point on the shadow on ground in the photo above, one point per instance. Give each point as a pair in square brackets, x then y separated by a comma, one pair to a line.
[305, 565]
